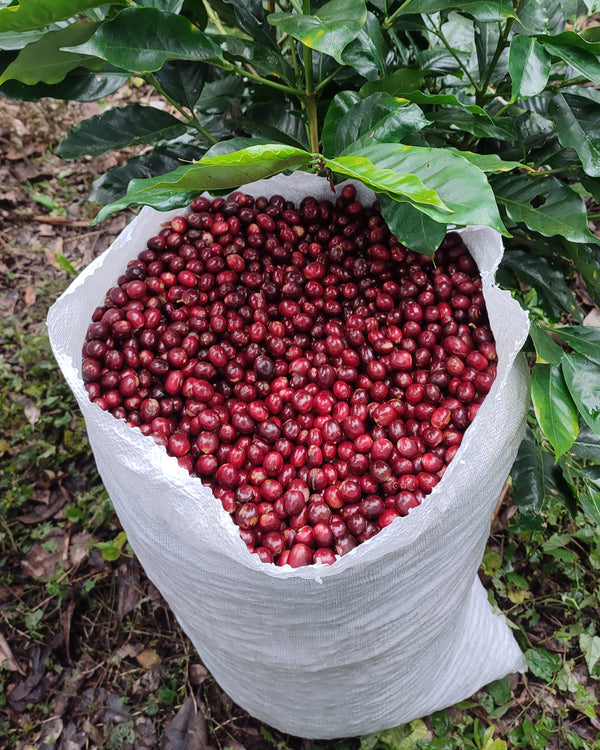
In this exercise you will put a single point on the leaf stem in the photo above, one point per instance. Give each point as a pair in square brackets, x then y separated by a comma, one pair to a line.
[440, 34]
[213, 18]
[190, 118]
[391, 20]
[310, 97]
[500, 47]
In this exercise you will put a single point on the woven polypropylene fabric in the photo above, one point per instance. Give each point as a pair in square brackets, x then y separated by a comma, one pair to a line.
[396, 629]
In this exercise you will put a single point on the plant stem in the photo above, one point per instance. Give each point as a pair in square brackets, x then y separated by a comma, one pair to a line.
[190, 118]
[213, 17]
[440, 34]
[310, 97]
[500, 47]
[391, 20]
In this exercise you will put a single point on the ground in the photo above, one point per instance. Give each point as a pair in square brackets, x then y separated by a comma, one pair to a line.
[90, 654]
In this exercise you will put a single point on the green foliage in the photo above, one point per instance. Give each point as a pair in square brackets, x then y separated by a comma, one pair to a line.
[454, 113]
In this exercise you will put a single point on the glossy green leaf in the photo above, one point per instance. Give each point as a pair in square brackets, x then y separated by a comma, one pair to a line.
[555, 296]
[583, 62]
[117, 128]
[412, 227]
[583, 381]
[554, 408]
[232, 145]
[220, 95]
[275, 120]
[18, 39]
[547, 206]
[171, 6]
[367, 53]
[486, 11]
[587, 262]
[542, 663]
[112, 185]
[572, 39]
[590, 502]
[31, 14]
[401, 80]
[402, 186]
[380, 118]
[489, 163]
[527, 474]
[80, 85]
[141, 40]
[183, 80]
[529, 67]
[546, 348]
[44, 62]
[330, 30]
[587, 444]
[252, 18]
[583, 339]
[449, 100]
[265, 61]
[481, 127]
[460, 185]
[341, 104]
[227, 171]
[540, 17]
[577, 123]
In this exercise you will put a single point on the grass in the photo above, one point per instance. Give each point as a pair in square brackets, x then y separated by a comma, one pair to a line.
[89, 633]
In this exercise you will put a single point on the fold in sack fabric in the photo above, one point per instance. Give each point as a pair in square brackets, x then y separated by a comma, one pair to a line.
[394, 630]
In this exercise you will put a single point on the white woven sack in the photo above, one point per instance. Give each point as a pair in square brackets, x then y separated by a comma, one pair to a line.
[399, 627]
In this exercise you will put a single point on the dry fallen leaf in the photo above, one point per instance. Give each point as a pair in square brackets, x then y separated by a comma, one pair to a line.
[148, 658]
[7, 659]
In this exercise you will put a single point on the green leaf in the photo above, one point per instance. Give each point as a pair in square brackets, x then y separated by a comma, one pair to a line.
[547, 206]
[380, 118]
[265, 61]
[117, 128]
[412, 227]
[489, 163]
[572, 39]
[214, 173]
[31, 14]
[112, 185]
[587, 444]
[141, 40]
[384, 180]
[590, 647]
[502, 129]
[183, 80]
[584, 62]
[540, 16]
[542, 663]
[584, 339]
[583, 381]
[527, 475]
[341, 104]
[251, 17]
[577, 124]
[43, 61]
[546, 348]
[462, 187]
[492, 10]
[79, 85]
[330, 30]
[587, 261]
[555, 296]
[450, 100]
[367, 53]
[400, 81]
[554, 408]
[529, 67]
[590, 502]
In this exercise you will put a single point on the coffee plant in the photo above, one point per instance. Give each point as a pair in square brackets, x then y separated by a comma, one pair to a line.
[478, 112]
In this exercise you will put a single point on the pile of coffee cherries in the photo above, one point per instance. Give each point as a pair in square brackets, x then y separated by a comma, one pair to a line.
[300, 361]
